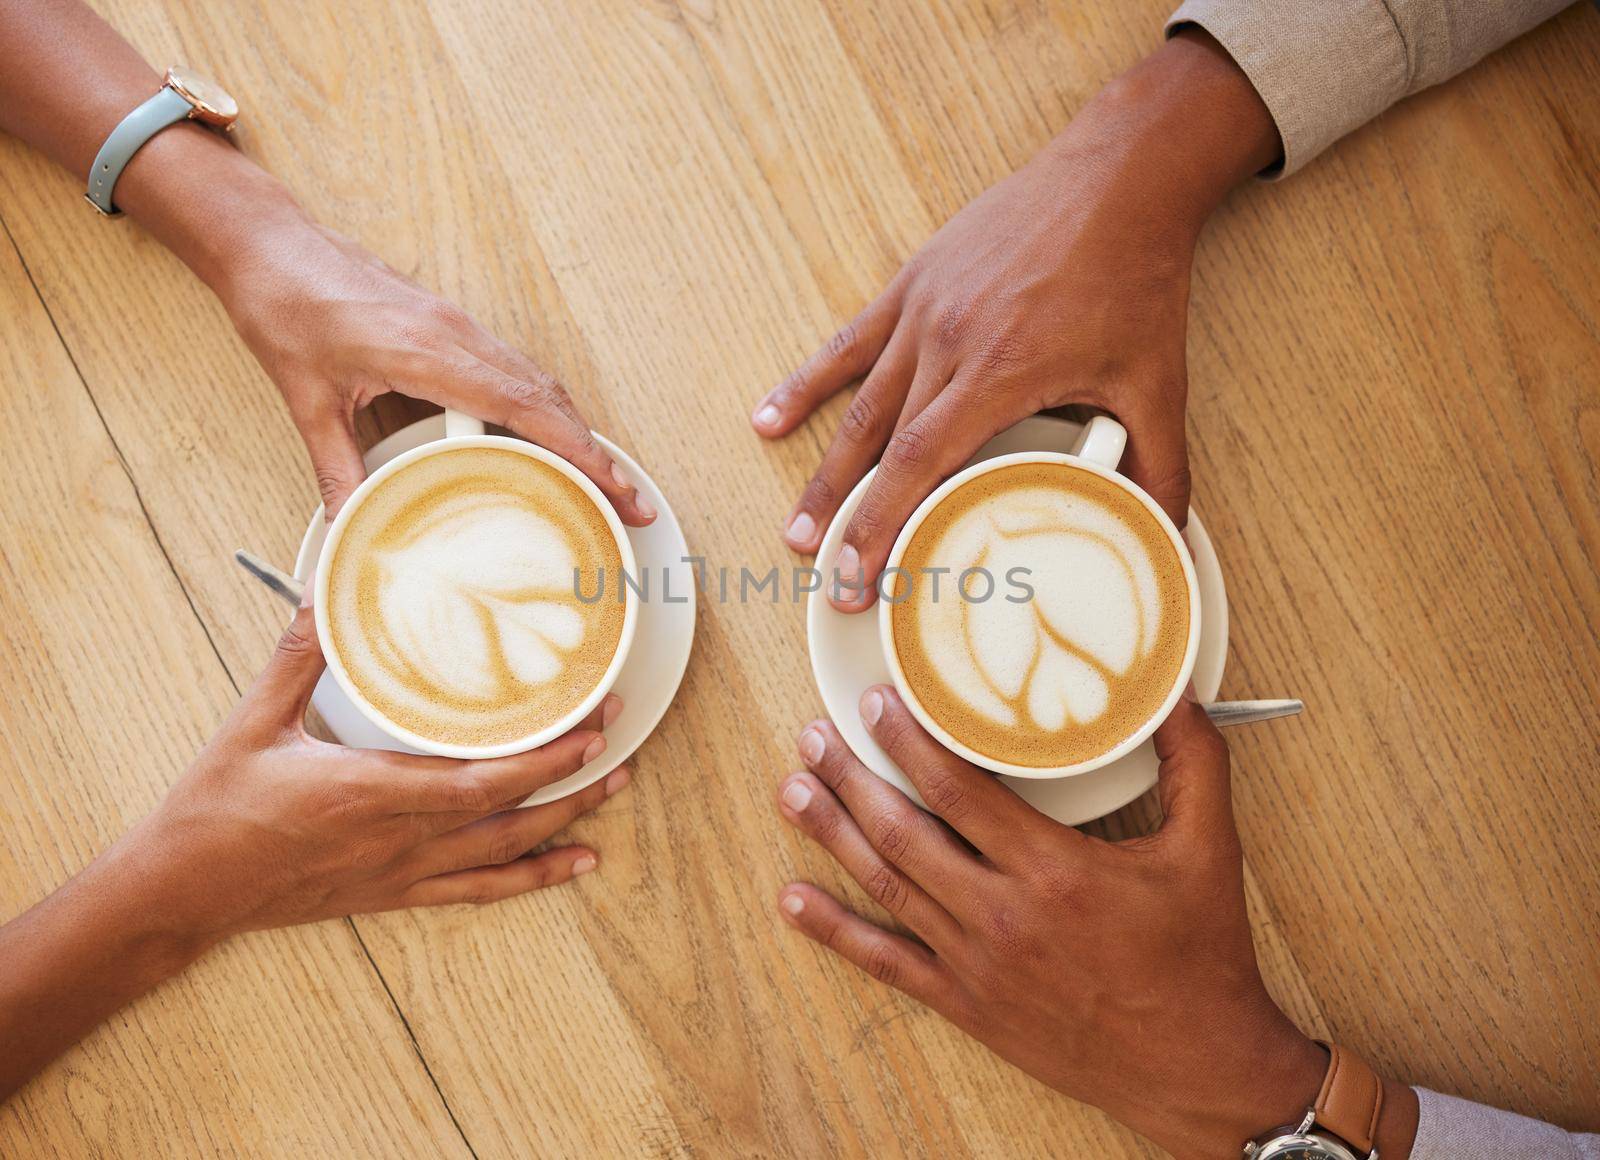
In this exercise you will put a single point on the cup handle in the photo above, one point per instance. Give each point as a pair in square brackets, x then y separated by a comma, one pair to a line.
[458, 423]
[1102, 442]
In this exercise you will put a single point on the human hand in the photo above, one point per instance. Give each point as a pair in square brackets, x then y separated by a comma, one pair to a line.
[272, 827]
[1066, 283]
[335, 328]
[1122, 974]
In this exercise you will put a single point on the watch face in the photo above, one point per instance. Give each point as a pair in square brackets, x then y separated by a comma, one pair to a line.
[1297, 1147]
[210, 100]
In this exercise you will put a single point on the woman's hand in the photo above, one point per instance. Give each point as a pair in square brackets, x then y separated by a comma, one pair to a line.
[271, 827]
[1122, 974]
[335, 328]
[1068, 282]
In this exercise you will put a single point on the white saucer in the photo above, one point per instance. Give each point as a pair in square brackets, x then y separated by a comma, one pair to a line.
[847, 656]
[661, 643]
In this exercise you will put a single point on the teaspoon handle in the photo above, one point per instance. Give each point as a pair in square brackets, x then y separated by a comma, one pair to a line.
[1225, 713]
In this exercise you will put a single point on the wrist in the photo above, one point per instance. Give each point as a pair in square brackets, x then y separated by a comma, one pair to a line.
[1175, 134]
[152, 894]
[1248, 1073]
[204, 200]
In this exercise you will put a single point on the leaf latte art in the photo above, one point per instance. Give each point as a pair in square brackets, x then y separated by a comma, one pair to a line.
[1066, 673]
[452, 597]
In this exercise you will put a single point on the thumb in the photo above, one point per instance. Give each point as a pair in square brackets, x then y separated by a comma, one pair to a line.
[1194, 785]
[283, 690]
[336, 460]
[1158, 456]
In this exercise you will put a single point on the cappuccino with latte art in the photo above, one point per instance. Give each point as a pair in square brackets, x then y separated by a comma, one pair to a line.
[453, 597]
[1063, 675]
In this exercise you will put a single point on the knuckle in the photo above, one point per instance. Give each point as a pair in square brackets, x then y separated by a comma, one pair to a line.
[950, 323]
[862, 419]
[448, 314]
[887, 887]
[299, 639]
[908, 452]
[329, 484]
[507, 847]
[417, 342]
[537, 393]
[944, 794]
[472, 793]
[1006, 352]
[881, 962]
[475, 894]
[891, 835]
[1173, 484]
[345, 795]
[843, 343]
[1059, 886]
[1006, 934]
[369, 854]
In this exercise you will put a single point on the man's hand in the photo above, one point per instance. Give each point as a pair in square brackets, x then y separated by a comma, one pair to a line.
[1122, 974]
[1068, 282]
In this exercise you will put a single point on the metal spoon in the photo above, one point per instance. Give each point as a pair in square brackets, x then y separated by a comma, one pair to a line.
[276, 579]
[1222, 713]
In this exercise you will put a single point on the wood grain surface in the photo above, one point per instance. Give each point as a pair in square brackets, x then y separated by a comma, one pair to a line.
[1395, 424]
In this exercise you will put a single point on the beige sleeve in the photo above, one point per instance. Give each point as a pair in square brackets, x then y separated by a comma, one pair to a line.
[1325, 67]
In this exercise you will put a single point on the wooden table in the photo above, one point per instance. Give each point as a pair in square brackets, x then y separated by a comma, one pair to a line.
[1395, 367]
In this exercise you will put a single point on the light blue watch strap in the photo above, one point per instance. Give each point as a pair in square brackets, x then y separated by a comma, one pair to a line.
[165, 108]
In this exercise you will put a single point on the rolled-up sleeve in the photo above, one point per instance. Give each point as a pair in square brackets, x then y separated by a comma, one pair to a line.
[1452, 1129]
[1325, 67]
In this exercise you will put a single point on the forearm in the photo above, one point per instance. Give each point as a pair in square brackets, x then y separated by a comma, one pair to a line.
[94, 945]
[67, 79]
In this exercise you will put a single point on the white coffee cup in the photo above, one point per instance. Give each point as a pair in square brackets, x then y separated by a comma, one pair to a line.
[1099, 450]
[465, 431]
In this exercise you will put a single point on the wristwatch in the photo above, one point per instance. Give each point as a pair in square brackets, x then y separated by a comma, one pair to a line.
[1341, 1125]
[185, 95]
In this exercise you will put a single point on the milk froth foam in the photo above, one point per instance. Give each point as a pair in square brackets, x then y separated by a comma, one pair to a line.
[1066, 675]
[453, 596]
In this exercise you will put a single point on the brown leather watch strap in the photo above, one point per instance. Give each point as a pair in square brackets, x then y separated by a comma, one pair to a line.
[1351, 1098]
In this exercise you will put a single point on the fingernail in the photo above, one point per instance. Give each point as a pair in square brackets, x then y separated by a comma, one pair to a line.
[802, 528]
[793, 904]
[797, 796]
[812, 746]
[643, 506]
[617, 780]
[768, 416]
[596, 748]
[848, 567]
[619, 475]
[611, 710]
[583, 865]
[1188, 692]
[872, 706]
